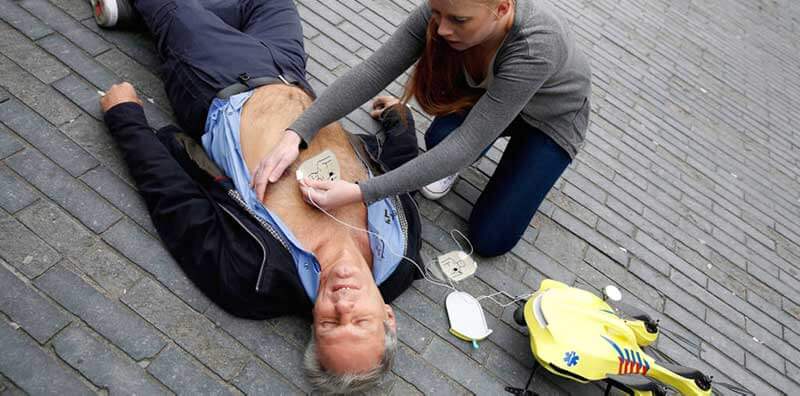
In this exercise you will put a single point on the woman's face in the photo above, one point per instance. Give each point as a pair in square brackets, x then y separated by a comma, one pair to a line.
[466, 23]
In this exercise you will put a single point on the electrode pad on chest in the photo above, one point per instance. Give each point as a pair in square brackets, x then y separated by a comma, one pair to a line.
[322, 166]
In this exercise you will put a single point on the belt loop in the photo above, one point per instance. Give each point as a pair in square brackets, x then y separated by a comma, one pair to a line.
[244, 78]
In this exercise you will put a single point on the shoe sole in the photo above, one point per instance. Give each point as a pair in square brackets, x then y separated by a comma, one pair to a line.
[105, 12]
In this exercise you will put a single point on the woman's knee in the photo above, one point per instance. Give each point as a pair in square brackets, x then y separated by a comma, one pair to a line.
[491, 242]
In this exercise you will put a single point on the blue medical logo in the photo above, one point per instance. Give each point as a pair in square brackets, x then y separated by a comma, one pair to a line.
[571, 358]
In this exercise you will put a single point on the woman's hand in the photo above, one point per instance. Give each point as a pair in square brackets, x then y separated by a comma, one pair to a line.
[330, 195]
[118, 94]
[271, 167]
[382, 103]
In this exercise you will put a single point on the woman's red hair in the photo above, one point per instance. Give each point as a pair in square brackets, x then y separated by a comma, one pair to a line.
[437, 82]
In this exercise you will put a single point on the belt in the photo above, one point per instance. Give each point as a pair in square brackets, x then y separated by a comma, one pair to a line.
[246, 83]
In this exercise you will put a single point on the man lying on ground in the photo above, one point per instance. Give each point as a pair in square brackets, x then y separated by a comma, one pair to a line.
[235, 76]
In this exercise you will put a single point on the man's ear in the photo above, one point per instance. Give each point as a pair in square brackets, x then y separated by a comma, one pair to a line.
[390, 316]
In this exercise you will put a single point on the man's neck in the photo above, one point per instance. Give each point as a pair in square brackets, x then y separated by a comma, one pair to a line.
[339, 246]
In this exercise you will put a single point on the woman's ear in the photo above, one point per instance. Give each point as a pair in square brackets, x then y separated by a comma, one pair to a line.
[503, 7]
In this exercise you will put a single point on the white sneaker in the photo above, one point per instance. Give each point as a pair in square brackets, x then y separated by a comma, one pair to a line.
[439, 188]
[113, 13]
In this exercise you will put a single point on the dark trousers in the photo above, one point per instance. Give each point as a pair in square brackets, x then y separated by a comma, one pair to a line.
[530, 166]
[207, 45]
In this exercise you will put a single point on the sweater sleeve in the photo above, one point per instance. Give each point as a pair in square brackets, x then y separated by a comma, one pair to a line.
[525, 67]
[365, 80]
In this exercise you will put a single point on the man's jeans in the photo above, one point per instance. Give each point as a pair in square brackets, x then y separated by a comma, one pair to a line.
[207, 45]
[530, 166]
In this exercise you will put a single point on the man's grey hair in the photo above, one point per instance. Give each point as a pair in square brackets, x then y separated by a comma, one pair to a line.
[331, 383]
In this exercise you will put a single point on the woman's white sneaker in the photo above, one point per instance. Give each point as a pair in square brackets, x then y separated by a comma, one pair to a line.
[439, 188]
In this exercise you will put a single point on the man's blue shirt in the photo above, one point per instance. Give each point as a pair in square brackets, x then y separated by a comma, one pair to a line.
[221, 142]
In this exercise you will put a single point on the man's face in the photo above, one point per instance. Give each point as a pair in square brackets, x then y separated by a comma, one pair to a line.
[463, 23]
[348, 318]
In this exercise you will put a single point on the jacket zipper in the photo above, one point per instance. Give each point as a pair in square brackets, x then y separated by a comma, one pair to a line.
[263, 249]
[236, 197]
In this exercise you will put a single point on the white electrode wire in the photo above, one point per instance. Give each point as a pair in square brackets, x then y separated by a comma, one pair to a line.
[426, 274]
[452, 235]
[513, 299]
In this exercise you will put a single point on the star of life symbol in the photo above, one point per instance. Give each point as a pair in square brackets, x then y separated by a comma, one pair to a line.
[571, 358]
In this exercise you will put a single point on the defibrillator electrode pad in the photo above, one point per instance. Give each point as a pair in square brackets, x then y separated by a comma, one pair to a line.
[322, 166]
[457, 265]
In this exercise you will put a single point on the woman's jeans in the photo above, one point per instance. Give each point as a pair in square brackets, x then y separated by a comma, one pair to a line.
[530, 166]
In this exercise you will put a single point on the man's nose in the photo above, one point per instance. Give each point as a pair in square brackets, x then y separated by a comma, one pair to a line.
[344, 306]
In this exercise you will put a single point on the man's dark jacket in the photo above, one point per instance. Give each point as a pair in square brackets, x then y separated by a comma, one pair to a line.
[223, 247]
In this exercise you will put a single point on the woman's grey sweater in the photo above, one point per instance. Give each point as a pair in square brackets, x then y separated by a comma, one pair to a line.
[539, 75]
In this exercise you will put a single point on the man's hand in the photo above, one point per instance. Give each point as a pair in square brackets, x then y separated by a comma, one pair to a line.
[117, 94]
[330, 195]
[382, 103]
[271, 167]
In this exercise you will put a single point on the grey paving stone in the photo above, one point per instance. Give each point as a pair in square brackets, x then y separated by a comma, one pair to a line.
[592, 237]
[178, 371]
[102, 365]
[27, 55]
[709, 334]
[20, 302]
[108, 269]
[188, 328]
[425, 377]
[56, 228]
[72, 195]
[137, 45]
[150, 255]
[147, 84]
[109, 318]
[259, 379]
[665, 287]
[401, 387]
[462, 369]
[15, 193]
[7, 388]
[771, 346]
[273, 349]
[293, 328]
[66, 25]
[40, 97]
[77, 9]
[750, 381]
[559, 243]
[411, 332]
[9, 144]
[122, 195]
[84, 95]
[45, 137]
[33, 370]
[775, 378]
[93, 136]
[22, 20]
[543, 263]
[79, 61]
[23, 249]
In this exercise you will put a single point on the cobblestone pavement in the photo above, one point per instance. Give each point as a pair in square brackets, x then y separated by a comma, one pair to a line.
[687, 196]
